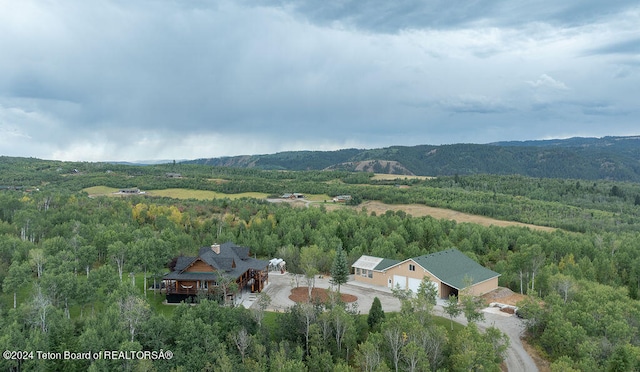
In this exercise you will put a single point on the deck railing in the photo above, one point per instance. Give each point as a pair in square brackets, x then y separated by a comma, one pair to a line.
[173, 289]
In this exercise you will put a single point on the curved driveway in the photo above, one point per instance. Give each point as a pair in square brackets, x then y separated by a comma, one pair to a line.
[516, 359]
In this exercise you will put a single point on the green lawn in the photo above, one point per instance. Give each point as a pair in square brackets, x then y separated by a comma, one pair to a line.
[441, 321]
[318, 197]
[155, 300]
[100, 190]
[203, 194]
[199, 194]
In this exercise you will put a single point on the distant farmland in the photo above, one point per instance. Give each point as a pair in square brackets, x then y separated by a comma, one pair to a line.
[177, 193]
[386, 177]
[416, 210]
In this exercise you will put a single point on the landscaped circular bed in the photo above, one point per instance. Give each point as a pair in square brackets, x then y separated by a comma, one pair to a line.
[301, 294]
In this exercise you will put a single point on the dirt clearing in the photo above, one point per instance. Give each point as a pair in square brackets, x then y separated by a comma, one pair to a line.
[301, 294]
[504, 296]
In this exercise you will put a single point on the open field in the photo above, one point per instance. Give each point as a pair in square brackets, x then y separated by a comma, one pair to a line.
[177, 193]
[100, 190]
[382, 176]
[317, 197]
[203, 194]
[419, 210]
[416, 210]
[217, 180]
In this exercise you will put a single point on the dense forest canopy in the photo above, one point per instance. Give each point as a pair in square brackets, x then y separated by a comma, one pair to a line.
[65, 259]
[612, 158]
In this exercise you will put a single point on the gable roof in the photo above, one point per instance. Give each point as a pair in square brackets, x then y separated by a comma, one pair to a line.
[183, 262]
[232, 260]
[450, 266]
[386, 263]
[367, 262]
[374, 263]
[454, 268]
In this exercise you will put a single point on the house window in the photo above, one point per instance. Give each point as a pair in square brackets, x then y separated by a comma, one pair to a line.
[205, 285]
[370, 273]
[412, 267]
[357, 271]
[363, 273]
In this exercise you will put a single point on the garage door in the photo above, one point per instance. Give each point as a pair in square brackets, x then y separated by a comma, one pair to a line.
[400, 281]
[414, 284]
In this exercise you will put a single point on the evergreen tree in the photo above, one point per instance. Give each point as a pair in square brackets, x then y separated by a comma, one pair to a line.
[339, 270]
[376, 315]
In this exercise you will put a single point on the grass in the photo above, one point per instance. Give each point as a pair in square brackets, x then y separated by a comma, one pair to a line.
[178, 193]
[203, 194]
[271, 322]
[416, 210]
[156, 301]
[386, 177]
[437, 320]
[100, 190]
[198, 194]
[446, 323]
[318, 197]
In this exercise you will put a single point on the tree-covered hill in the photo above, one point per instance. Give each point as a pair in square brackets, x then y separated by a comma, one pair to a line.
[611, 158]
[62, 253]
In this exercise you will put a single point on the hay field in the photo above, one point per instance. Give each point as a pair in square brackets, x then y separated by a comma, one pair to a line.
[317, 197]
[386, 177]
[203, 194]
[416, 210]
[419, 210]
[99, 190]
[177, 193]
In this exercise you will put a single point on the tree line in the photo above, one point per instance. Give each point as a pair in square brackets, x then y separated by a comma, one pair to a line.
[63, 255]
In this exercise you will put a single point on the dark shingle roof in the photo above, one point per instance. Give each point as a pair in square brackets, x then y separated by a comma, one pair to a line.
[233, 260]
[191, 276]
[183, 262]
[385, 264]
[454, 267]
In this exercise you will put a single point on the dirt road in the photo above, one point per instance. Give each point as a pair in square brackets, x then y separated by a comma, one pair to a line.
[516, 359]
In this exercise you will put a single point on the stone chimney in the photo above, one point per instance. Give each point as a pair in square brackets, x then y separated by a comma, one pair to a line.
[216, 248]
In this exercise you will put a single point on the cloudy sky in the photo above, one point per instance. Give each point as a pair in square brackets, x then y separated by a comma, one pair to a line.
[182, 79]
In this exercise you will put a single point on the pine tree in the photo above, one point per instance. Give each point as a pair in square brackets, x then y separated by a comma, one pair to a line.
[376, 315]
[339, 270]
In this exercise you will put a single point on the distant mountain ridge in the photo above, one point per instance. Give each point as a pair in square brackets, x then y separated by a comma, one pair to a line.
[625, 141]
[613, 158]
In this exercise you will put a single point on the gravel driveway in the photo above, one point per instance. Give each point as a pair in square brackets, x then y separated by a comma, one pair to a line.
[279, 289]
[516, 359]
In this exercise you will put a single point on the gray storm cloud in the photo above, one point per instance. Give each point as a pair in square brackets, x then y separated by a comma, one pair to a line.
[114, 80]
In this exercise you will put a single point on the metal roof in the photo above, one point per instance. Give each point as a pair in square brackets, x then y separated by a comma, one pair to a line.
[367, 262]
[455, 268]
[374, 263]
[386, 263]
[450, 266]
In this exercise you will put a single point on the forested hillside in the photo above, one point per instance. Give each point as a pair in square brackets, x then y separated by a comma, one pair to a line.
[66, 259]
[609, 158]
